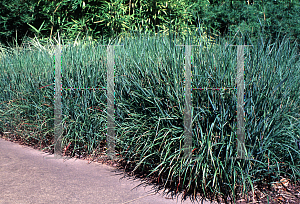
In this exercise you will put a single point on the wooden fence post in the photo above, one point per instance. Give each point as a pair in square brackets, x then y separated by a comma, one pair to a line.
[110, 103]
[58, 129]
[188, 103]
[240, 102]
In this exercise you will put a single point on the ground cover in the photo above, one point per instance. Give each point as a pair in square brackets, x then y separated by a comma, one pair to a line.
[149, 87]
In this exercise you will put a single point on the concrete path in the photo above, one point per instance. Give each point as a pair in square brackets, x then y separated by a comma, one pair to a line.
[26, 176]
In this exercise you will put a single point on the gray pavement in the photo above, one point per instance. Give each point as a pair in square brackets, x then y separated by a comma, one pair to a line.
[26, 176]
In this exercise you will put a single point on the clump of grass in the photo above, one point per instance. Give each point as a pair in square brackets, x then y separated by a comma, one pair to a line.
[149, 107]
[272, 127]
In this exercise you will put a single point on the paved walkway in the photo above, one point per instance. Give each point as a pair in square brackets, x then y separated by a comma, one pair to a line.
[26, 176]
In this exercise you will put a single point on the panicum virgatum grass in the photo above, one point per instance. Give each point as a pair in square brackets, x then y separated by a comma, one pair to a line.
[149, 106]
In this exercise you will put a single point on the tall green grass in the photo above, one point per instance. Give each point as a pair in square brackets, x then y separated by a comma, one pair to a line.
[149, 107]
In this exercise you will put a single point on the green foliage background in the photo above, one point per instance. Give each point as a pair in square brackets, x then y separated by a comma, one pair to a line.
[98, 18]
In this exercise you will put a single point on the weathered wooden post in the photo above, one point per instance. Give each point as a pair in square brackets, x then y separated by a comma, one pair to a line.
[58, 128]
[188, 103]
[110, 103]
[240, 102]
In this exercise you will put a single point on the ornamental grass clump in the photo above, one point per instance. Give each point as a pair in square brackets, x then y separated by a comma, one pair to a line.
[149, 107]
[154, 131]
[25, 108]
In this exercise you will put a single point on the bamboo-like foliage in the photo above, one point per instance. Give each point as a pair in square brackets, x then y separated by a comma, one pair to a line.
[149, 105]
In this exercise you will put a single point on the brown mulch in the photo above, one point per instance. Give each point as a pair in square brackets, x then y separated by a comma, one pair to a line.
[284, 191]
